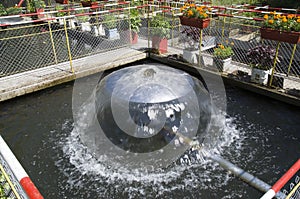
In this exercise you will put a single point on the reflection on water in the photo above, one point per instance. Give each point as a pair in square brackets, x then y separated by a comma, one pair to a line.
[261, 135]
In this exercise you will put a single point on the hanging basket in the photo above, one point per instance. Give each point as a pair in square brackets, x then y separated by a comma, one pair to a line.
[194, 22]
[283, 36]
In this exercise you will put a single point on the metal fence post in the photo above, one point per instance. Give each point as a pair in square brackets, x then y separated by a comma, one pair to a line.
[291, 60]
[52, 42]
[68, 46]
[274, 64]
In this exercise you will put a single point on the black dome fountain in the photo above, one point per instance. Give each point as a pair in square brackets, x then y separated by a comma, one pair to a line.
[143, 114]
[133, 123]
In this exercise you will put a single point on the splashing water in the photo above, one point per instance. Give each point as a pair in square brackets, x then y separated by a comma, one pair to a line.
[96, 179]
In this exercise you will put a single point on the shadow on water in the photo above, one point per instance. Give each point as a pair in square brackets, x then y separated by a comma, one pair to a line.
[261, 135]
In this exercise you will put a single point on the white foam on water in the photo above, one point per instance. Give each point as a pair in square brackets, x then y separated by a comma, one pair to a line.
[111, 182]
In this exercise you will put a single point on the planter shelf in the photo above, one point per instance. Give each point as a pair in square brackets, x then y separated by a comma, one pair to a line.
[194, 22]
[283, 36]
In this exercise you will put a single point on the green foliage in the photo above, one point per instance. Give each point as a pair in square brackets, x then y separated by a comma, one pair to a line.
[262, 57]
[2, 10]
[60, 7]
[135, 20]
[160, 27]
[33, 5]
[14, 10]
[281, 22]
[223, 52]
[110, 21]
[4, 186]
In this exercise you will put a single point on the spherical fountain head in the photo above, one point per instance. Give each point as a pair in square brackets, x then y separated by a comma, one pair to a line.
[148, 113]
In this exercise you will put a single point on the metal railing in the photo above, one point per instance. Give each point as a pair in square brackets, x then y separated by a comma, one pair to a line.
[81, 32]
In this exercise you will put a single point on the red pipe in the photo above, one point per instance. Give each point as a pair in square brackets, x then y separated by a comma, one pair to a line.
[286, 177]
[30, 188]
[20, 3]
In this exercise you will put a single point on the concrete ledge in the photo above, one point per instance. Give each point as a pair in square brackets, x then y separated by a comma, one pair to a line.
[34, 80]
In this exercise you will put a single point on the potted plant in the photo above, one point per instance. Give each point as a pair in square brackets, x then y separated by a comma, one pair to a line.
[190, 39]
[83, 20]
[36, 6]
[261, 59]
[160, 31]
[195, 16]
[2, 10]
[135, 24]
[60, 13]
[285, 28]
[110, 24]
[222, 57]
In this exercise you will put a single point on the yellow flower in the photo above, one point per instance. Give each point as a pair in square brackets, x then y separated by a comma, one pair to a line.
[276, 17]
[284, 20]
[266, 17]
[209, 9]
[273, 13]
[298, 20]
[205, 15]
[190, 13]
[192, 5]
[271, 21]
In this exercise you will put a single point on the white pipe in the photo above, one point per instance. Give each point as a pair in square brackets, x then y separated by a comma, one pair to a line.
[244, 175]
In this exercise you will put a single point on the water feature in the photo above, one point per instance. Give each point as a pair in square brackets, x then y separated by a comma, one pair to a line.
[256, 136]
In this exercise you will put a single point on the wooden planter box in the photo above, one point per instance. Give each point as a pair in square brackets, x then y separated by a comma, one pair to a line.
[283, 36]
[160, 44]
[197, 23]
[62, 1]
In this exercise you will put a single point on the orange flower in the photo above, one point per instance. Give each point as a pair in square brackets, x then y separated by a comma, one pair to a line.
[271, 21]
[290, 16]
[199, 9]
[190, 13]
[205, 15]
[273, 13]
[266, 16]
[298, 20]
[192, 5]
[209, 9]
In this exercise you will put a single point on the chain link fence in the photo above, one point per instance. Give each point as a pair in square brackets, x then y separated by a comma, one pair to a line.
[28, 47]
[81, 32]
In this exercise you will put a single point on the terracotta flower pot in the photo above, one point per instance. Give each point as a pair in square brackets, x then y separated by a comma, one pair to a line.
[161, 44]
[194, 22]
[134, 38]
[283, 36]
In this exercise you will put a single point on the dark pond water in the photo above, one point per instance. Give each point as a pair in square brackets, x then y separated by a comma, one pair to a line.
[261, 135]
